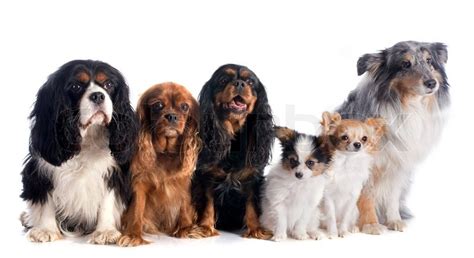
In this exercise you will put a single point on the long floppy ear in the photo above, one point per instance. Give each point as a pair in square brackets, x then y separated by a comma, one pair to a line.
[191, 141]
[216, 141]
[369, 62]
[330, 121]
[145, 156]
[261, 130]
[440, 52]
[123, 128]
[379, 125]
[55, 132]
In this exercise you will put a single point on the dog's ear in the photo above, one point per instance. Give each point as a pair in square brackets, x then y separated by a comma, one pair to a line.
[330, 121]
[440, 51]
[55, 132]
[284, 134]
[378, 125]
[369, 62]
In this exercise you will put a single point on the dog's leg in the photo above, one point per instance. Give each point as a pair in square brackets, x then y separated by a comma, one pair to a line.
[314, 231]
[368, 221]
[186, 227]
[281, 225]
[133, 219]
[207, 221]
[348, 216]
[254, 230]
[331, 222]
[300, 230]
[109, 219]
[392, 209]
[42, 220]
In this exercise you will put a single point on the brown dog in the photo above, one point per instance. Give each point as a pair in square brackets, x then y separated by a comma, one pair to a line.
[168, 146]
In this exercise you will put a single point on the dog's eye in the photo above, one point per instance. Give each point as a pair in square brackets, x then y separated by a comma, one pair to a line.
[224, 81]
[406, 64]
[364, 139]
[309, 163]
[157, 107]
[76, 87]
[108, 85]
[294, 162]
[344, 138]
[429, 61]
[250, 81]
[184, 107]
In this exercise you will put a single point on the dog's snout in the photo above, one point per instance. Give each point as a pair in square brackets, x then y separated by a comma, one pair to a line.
[357, 145]
[239, 84]
[172, 118]
[430, 84]
[97, 97]
[299, 175]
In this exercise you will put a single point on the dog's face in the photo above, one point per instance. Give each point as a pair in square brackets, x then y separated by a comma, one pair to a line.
[167, 109]
[301, 157]
[234, 91]
[412, 68]
[82, 94]
[349, 135]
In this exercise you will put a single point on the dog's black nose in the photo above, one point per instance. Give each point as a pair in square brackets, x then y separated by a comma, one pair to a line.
[239, 84]
[299, 175]
[97, 97]
[172, 118]
[357, 145]
[430, 84]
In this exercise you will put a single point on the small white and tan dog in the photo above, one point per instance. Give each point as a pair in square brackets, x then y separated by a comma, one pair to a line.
[295, 187]
[353, 144]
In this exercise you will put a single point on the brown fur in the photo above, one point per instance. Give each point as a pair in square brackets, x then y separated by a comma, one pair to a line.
[101, 77]
[162, 167]
[83, 77]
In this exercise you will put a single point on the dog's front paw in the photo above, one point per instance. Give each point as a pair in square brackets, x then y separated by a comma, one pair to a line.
[258, 233]
[300, 235]
[315, 235]
[189, 232]
[279, 237]
[205, 231]
[397, 225]
[343, 233]
[130, 241]
[373, 229]
[107, 237]
[42, 235]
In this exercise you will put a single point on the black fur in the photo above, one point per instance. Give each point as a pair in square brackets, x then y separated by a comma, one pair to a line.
[250, 148]
[55, 135]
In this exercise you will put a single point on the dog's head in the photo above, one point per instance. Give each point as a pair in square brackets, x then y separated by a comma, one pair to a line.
[301, 154]
[350, 135]
[82, 94]
[169, 115]
[410, 68]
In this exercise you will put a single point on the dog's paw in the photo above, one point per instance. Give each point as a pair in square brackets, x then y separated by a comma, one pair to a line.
[279, 237]
[354, 229]
[343, 233]
[205, 231]
[258, 233]
[316, 235]
[189, 232]
[130, 241]
[397, 225]
[107, 237]
[373, 229]
[300, 235]
[42, 235]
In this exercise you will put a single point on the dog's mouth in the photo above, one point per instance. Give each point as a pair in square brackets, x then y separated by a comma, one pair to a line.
[99, 118]
[237, 104]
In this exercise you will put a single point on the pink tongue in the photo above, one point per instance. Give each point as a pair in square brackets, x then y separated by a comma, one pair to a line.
[237, 105]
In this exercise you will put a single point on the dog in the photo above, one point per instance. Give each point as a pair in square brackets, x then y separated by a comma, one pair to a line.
[237, 136]
[168, 146]
[407, 86]
[76, 178]
[294, 187]
[353, 144]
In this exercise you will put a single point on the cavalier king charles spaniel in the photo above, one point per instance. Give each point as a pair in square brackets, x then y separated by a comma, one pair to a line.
[237, 135]
[76, 179]
[168, 146]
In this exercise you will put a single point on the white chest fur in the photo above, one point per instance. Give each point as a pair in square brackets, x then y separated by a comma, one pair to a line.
[79, 183]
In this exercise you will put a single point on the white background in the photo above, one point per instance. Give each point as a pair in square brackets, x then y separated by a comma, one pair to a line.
[304, 52]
